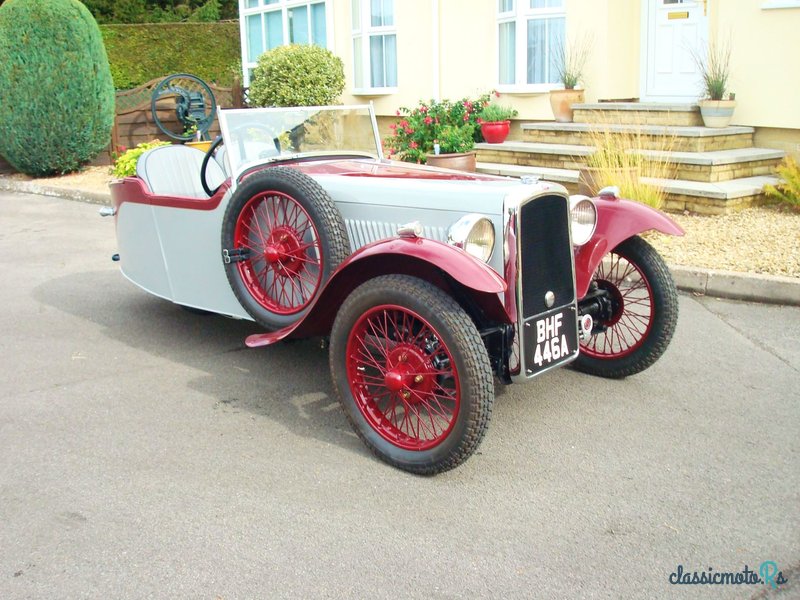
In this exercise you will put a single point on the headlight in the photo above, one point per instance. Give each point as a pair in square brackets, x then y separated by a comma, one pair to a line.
[473, 233]
[584, 219]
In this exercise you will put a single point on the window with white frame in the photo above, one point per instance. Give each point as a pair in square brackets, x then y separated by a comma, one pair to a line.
[374, 45]
[529, 35]
[271, 23]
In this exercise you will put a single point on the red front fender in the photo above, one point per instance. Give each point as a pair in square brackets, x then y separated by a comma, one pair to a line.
[617, 220]
[419, 257]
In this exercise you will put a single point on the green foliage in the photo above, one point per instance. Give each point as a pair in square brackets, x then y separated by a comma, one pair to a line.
[787, 192]
[57, 96]
[208, 12]
[451, 125]
[125, 165]
[620, 161]
[497, 112]
[139, 53]
[571, 57]
[161, 11]
[297, 75]
[714, 67]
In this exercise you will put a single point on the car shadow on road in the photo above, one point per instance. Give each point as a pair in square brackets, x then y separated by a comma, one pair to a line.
[288, 383]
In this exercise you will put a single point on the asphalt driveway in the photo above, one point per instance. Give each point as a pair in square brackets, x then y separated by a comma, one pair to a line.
[144, 452]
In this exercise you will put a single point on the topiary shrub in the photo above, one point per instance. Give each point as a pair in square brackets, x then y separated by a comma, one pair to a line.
[57, 96]
[297, 75]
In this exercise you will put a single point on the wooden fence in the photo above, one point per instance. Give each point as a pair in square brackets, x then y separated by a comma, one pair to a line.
[134, 123]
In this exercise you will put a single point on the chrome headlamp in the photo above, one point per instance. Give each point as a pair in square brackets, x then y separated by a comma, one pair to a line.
[584, 218]
[473, 233]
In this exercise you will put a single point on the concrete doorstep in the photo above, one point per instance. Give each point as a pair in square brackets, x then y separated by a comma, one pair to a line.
[751, 287]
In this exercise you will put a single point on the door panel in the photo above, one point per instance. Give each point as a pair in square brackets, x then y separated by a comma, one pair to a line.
[676, 29]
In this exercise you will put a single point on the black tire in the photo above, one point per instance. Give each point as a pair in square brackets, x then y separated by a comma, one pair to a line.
[430, 350]
[293, 237]
[645, 316]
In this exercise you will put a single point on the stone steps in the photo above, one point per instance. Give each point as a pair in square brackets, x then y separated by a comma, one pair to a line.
[718, 165]
[672, 114]
[648, 137]
[696, 196]
[713, 171]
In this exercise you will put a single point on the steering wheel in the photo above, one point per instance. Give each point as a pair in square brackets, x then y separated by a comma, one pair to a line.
[204, 167]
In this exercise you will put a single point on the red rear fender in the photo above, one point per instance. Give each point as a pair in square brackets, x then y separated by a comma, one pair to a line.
[617, 220]
[442, 265]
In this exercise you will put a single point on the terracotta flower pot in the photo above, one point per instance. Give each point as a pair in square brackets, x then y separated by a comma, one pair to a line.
[717, 113]
[495, 132]
[463, 161]
[561, 102]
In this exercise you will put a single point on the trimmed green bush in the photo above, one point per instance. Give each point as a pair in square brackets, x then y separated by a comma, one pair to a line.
[140, 53]
[297, 75]
[57, 97]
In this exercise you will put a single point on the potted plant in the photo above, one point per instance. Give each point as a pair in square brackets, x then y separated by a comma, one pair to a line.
[495, 122]
[570, 61]
[718, 104]
[437, 132]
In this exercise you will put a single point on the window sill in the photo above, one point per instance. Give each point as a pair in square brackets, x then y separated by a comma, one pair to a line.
[773, 4]
[538, 88]
[374, 91]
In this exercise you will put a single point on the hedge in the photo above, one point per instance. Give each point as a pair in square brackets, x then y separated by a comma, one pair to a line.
[139, 53]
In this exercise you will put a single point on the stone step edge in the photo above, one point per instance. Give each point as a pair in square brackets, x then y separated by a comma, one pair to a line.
[723, 190]
[546, 173]
[570, 150]
[638, 106]
[709, 158]
[669, 130]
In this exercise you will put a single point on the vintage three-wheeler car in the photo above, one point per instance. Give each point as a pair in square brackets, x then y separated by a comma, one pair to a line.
[427, 282]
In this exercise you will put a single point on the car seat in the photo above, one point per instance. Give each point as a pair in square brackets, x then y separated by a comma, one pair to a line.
[175, 171]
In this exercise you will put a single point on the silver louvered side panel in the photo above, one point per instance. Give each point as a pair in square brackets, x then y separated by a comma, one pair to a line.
[365, 232]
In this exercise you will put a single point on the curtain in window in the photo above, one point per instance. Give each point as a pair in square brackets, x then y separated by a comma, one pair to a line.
[298, 25]
[319, 33]
[508, 44]
[274, 29]
[544, 36]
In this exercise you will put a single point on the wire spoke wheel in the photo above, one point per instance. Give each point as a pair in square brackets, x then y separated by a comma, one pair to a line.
[285, 264]
[632, 299]
[282, 237]
[643, 312]
[412, 373]
[403, 377]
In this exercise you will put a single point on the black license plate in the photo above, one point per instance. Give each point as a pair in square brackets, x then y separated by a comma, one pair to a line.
[550, 339]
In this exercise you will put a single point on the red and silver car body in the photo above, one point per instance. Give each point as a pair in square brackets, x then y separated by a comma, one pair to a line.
[426, 280]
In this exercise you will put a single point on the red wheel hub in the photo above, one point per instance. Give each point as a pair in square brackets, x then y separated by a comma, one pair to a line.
[402, 377]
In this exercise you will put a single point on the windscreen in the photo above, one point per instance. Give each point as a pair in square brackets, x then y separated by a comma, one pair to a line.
[259, 135]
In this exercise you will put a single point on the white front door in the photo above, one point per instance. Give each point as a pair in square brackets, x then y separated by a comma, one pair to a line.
[675, 30]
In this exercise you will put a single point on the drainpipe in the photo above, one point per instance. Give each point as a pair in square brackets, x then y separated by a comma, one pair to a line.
[436, 48]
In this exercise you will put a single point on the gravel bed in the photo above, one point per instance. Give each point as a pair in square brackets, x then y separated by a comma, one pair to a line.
[757, 240]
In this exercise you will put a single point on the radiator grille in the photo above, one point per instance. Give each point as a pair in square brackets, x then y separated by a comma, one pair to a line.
[546, 254]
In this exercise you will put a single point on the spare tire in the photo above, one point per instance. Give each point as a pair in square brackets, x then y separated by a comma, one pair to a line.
[282, 237]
